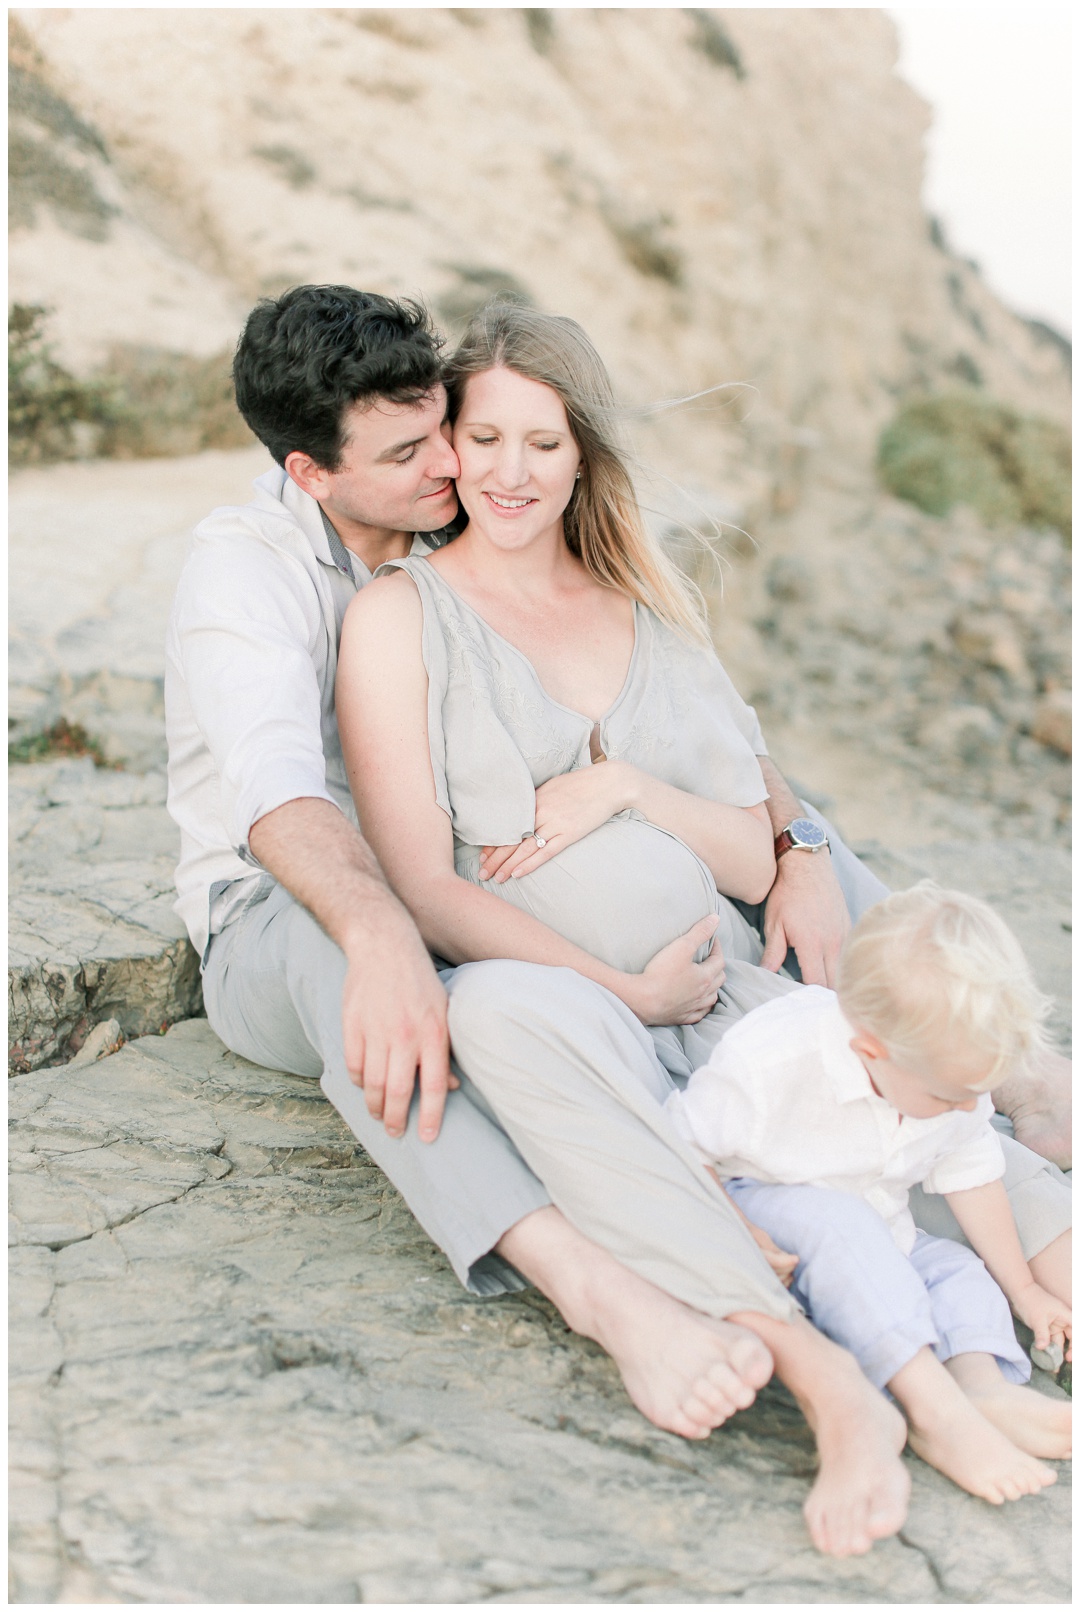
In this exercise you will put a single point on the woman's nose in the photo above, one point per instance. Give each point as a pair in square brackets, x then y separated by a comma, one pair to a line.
[511, 469]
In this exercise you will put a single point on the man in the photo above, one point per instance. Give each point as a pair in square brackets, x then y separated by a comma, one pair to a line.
[311, 964]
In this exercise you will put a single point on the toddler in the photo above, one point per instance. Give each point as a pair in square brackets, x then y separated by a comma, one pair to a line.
[819, 1110]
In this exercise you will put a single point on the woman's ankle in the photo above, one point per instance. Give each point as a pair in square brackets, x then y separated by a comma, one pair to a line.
[820, 1373]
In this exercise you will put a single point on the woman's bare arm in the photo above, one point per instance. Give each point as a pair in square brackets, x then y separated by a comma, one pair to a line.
[382, 719]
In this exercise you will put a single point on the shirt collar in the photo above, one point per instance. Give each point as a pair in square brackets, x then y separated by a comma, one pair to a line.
[846, 1069]
[350, 565]
[326, 544]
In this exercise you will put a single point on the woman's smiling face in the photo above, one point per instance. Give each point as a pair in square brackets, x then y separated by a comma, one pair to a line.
[518, 457]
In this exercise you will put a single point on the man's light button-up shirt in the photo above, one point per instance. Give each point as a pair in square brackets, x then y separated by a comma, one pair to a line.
[785, 1099]
[250, 665]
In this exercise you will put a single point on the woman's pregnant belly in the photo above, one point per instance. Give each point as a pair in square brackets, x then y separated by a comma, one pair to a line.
[622, 893]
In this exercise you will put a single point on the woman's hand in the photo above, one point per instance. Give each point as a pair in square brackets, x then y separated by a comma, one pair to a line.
[568, 807]
[673, 988]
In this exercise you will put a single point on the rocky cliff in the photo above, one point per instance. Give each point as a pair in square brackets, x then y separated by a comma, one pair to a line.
[719, 196]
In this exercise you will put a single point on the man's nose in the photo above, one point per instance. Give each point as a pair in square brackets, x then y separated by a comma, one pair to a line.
[444, 462]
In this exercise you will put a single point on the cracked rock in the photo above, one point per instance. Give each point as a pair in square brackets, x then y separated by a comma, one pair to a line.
[241, 1373]
[92, 933]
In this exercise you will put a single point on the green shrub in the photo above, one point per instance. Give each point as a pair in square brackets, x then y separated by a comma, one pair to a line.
[145, 401]
[45, 402]
[713, 40]
[64, 738]
[167, 404]
[1012, 468]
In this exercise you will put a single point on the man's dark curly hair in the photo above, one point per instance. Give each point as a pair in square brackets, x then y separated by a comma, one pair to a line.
[305, 357]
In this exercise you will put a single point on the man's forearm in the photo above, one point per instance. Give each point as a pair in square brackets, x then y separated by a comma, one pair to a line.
[316, 853]
[782, 804]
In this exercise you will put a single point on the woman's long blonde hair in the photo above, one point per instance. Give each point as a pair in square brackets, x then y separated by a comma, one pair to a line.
[602, 522]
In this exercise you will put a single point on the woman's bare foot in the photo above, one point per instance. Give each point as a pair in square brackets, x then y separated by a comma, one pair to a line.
[686, 1372]
[949, 1433]
[862, 1488]
[1039, 1103]
[1032, 1421]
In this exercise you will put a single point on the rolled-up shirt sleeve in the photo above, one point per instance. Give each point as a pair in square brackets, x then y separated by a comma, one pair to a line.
[246, 640]
[977, 1161]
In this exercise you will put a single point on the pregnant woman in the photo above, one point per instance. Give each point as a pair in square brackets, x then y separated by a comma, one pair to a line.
[552, 766]
[553, 636]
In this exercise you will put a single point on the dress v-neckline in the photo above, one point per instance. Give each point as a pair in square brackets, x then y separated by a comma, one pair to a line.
[593, 722]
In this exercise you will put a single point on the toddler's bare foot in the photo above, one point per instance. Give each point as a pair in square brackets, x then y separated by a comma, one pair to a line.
[862, 1487]
[1040, 1106]
[949, 1433]
[1032, 1421]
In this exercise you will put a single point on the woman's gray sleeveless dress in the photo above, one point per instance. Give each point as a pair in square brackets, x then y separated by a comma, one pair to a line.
[629, 888]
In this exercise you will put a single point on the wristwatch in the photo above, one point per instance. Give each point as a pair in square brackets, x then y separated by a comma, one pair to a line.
[801, 834]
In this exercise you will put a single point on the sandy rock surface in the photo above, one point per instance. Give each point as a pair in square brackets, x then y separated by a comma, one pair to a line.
[95, 551]
[241, 1373]
[92, 934]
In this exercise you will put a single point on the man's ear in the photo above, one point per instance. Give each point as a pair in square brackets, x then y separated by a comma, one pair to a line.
[866, 1045]
[308, 476]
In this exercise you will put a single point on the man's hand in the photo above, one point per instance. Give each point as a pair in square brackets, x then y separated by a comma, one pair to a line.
[393, 1008]
[393, 1015]
[805, 909]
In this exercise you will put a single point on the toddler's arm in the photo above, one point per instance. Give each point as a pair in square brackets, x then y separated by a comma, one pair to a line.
[986, 1220]
[782, 1264]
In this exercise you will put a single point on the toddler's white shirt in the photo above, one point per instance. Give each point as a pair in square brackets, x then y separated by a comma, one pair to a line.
[784, 1099]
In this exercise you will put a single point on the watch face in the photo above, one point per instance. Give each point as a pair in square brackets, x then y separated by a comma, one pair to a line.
[804, 832]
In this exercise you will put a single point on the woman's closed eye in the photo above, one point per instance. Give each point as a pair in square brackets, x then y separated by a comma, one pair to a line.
[487, 442]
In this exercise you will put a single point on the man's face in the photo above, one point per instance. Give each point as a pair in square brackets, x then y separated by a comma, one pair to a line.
[396, 471]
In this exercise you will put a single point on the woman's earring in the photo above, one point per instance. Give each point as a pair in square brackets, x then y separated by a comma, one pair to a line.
[578, 476]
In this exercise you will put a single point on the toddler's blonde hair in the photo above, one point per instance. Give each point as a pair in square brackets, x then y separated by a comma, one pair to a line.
[928, 970]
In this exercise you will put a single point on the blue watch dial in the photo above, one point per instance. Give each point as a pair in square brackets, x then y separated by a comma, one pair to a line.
[805, 832]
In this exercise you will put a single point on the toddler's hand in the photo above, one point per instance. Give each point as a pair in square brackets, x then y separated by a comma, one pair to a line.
[783, 1265]
[1047, 1316]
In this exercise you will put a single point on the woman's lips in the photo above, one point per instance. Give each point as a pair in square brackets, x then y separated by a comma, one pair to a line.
[509, 506]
